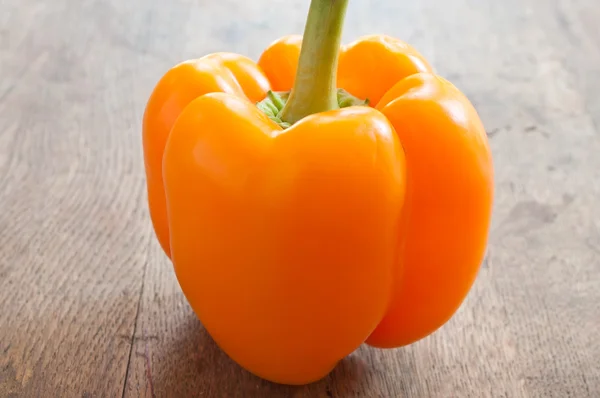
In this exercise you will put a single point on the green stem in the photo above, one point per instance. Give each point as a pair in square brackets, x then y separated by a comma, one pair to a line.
[315, 88]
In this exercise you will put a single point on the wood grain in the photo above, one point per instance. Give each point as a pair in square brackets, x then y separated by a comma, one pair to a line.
[89, 305]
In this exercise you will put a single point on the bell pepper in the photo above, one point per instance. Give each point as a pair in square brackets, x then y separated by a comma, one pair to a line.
[323, 197]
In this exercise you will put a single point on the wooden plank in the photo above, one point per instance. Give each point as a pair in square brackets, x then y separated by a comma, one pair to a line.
[91, 307]
[73, 233]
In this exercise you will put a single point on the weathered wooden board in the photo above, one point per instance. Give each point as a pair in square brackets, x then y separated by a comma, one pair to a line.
[89, 305]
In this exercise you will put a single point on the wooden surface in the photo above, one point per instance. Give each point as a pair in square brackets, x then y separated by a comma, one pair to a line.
[89, 306]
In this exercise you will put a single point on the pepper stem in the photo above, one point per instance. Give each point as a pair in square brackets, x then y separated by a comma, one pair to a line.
[315, 88]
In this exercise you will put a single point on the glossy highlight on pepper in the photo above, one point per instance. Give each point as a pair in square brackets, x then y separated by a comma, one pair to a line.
[300, 229]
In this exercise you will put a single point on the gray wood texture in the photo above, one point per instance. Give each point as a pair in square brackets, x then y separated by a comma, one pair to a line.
[89, 305]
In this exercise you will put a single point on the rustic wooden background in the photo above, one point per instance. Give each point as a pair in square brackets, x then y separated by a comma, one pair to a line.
[89, 306]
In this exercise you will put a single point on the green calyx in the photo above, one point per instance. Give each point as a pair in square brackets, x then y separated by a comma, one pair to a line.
[275, 102]
[345, 99]
[272, 106]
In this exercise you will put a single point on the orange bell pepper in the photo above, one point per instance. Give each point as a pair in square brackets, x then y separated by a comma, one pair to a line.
[321, 198]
